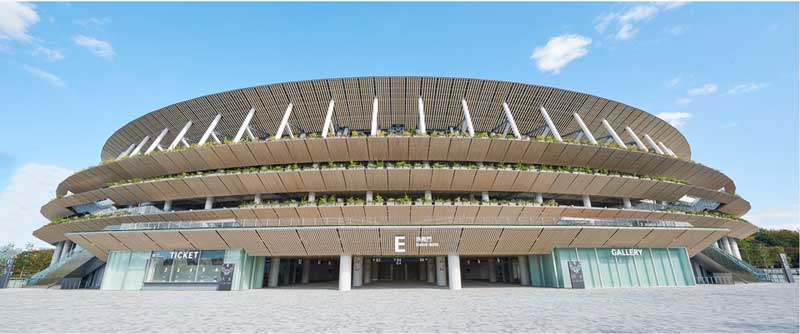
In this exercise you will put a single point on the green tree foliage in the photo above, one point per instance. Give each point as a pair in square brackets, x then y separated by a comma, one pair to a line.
[762, 249]
[31, 261]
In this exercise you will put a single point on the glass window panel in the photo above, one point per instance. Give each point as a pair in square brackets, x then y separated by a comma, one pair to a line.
[591, 275]
[210, 265]
[160, 267]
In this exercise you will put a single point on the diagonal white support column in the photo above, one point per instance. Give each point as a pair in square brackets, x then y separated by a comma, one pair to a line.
[126, 152]
[613, 134]
[284, 122]
[328, 119]
[180, 135]
[374, 127]
[467, 118]
[550, 124]
[157, 141]
[210, 130]
[666, 149]
[584, 128]
[511, 121]
[139, 147]
[421, 129]
[653, 144]
[245, 125]
[636, 138]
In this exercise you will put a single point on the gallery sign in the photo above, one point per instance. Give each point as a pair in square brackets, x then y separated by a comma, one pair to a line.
[626, 252]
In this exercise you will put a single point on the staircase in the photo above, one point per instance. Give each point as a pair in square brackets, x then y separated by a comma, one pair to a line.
[740, 270]
[52, 275]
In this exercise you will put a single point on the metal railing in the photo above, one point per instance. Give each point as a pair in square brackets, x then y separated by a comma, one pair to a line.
[722, 257]
[568, 221]
[719, 278]
[34, 279]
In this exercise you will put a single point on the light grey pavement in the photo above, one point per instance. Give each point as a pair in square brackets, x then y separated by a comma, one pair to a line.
[409, 308]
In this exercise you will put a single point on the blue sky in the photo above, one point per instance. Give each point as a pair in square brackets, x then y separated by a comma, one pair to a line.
[725, 73]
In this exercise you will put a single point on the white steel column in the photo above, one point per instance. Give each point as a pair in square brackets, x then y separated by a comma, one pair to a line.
[454, 271]
[524, 272]
[666, 149]
[180, 135]
[358, 271]
[726, 245]
[485, 196]
[327, 125]
[626, 203]
[584, 128]
[168, 205]
[467, 118]
[511, 121]
[613, 134]
[492, 270]
[65, 250]
[284, 121]
[245, 125]
[421, 129]
[210, 130]
[636, 138]
[209, 203]
[56, 253]
[431, 264]
[306, 277]
[550, 124]
[735, 247]
[539, 199]
[345, 270]
[653, 143]
[126, 152]
[587, 201]
[374, 127]
[257, 198]
[274, 272]
[441, 273]
[157, 141]
[139, 147]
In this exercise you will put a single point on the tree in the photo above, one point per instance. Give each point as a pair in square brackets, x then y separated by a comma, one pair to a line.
[762, 249]
[31, 261]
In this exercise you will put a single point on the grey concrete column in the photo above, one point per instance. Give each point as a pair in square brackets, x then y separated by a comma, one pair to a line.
[257, 199]
[524, 272]
[539, 199]
[345, 270]
[421, 269]
[698, 272]
[735, 247]
[485, 196]
[428, 195]
[492, 270]
[587, 201]
[441, 276]
[274, 272]
[358, 271]
[370, 197]
[431, 264]
[367, 270]
[168, 205]
[57, 253]
[209, 203]
[726, 245]
[454, 271]
[626, 203]
[65, 250]
[312, 196]
[306, 271]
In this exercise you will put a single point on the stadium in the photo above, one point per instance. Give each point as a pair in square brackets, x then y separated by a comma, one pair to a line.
[382, 181]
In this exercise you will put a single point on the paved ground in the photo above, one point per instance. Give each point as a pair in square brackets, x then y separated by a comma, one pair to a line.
[476, 308]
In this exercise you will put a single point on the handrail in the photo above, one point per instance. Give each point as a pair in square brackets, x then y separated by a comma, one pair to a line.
[42, 274]
[759, 274]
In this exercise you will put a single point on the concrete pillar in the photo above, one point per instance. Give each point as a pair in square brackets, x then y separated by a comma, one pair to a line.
[374, 271]
[717, 244]
[370, 197]
[431, 264]
[274, 271]
[454, 271]
[421, 269]
[306, 271]
[735, 248]
[428, 195]
[506, 267]
[492, 270]
[345, 270]
[57, 253]
[539, 200]
[485, 196]
[726, 245]
[358, 271]
[65, 250]
[587, 202]
[367, 270]
[524, 272]
[698, 272]
[626, 203]
[441, 276]
[257, 198]
[168, 205]
[209, 203]
[312, 196]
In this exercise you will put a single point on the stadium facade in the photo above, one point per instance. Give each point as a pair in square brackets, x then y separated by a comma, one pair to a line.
[381, 179]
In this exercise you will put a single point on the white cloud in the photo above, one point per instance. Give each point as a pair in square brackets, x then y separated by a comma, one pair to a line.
[683, 101]
[44, 75]
[675, 119]
[94, 23]
[703, 90]
[626, 20]
[31, 187]
[97, 47]
[49, 54]
[560, 51]
[746, 88]
[15, 18]
[674, 82]
[775, 219]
